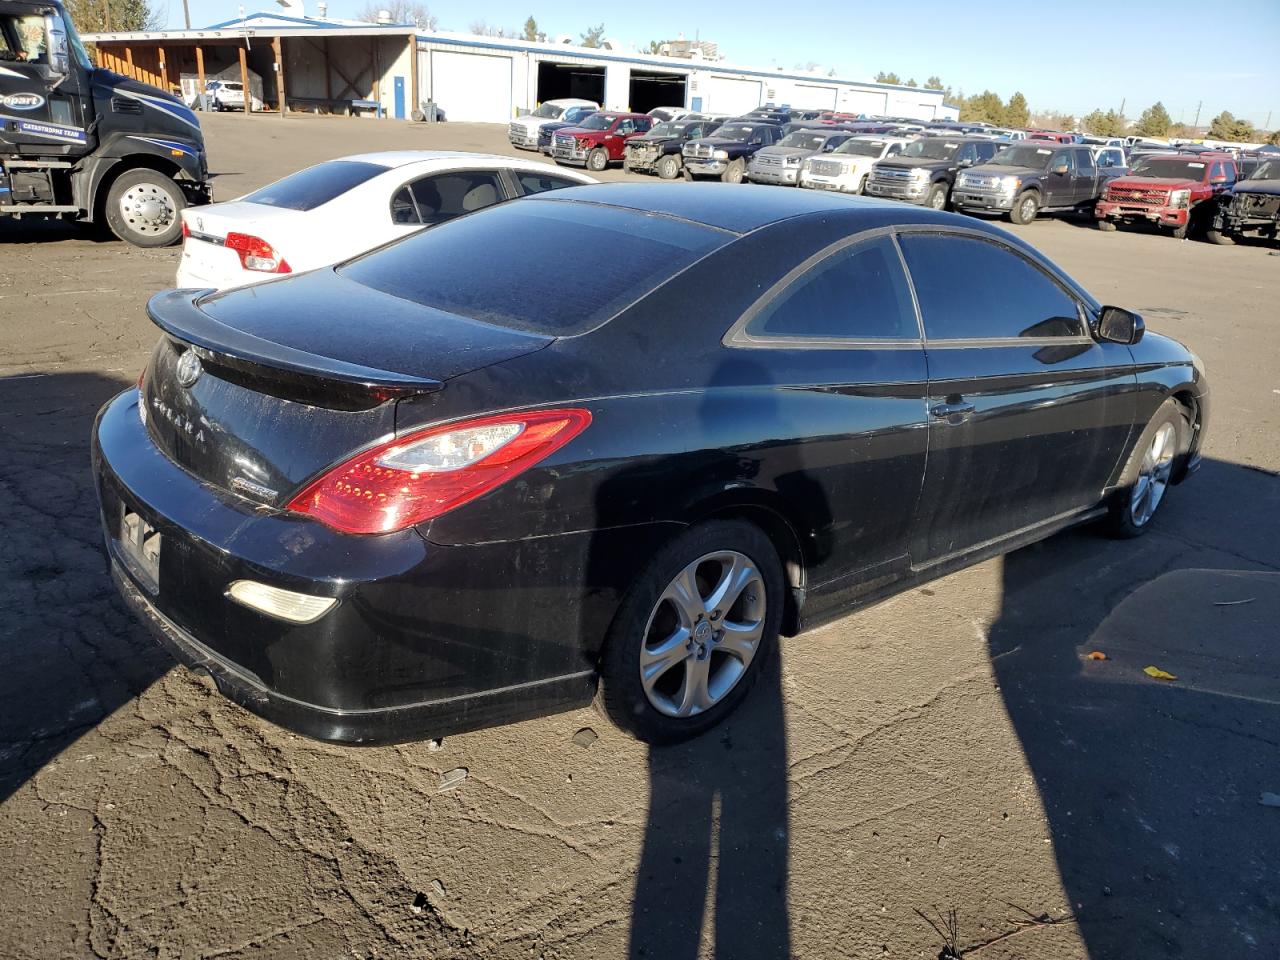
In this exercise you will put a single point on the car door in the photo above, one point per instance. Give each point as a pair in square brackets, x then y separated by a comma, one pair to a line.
[1028, 413]
[1085, 181]
[1059, 180]
[841, 333]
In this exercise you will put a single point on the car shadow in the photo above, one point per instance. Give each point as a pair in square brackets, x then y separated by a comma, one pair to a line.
[70, 654]
[52, 230]
[1152, 787]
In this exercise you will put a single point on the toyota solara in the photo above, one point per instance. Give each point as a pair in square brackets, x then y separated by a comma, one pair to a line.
[378, 502]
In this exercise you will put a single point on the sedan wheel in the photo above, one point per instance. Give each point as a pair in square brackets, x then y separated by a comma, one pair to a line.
[693, 632]
[1150, 471]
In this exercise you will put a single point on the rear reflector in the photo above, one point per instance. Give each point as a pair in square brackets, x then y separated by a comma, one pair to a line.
[425, 474]
[256, 254]
[278, 603]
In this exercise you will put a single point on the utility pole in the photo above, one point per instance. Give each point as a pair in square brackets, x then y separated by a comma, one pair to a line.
[1196, 126]
[186, 12]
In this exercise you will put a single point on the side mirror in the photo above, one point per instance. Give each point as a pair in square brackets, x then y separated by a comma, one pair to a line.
[1118, 325]
[966, 163]
[56, 43]
[1060, 170]
[1220, 178]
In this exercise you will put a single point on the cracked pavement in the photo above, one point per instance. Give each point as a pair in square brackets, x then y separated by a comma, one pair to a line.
[952, 748]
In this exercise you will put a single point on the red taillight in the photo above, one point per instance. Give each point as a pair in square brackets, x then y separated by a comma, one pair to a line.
[425, 474]
[186, 230]
[256, 254]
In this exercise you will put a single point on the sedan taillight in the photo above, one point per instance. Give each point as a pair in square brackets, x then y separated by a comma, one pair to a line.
[425, 474]
[256, 254]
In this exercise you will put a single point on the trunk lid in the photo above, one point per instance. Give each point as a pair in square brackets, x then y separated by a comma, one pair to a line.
[293, 376]
[206, 261]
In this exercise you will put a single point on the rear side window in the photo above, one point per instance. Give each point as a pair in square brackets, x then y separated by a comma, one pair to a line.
[971, 289]
[314, 186]
[505, 266]
[858, 293]
[533, 182]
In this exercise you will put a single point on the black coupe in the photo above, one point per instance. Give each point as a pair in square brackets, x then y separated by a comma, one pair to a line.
[436, 487]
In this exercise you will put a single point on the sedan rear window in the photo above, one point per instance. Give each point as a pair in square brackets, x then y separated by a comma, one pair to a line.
[309, 188]
[505, 265]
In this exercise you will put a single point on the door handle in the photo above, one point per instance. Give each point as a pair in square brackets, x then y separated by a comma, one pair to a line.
[954, 412]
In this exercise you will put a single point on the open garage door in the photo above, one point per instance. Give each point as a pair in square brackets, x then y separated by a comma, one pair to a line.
[731, 95]
[557, 81]
[472, 86]
[650, 89]
[815, 96]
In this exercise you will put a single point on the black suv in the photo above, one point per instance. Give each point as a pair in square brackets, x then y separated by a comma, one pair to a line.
[726, 152]
[1026, 179]
[1254, 206]
[658, 151]
[926, 168]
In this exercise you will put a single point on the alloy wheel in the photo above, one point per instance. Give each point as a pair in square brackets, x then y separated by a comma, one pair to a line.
[702, 634]
[147, 209]
[1153, 475]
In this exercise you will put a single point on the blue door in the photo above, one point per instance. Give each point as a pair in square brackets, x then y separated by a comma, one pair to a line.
[697, 105]
[399, 98]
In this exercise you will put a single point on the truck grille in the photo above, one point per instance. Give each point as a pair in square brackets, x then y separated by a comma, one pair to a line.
[699, 151]
[893, 174]
[1256, 204]
[515, 130]
[764, 160]
[826, 168]
[971, 182]
[1137, 195]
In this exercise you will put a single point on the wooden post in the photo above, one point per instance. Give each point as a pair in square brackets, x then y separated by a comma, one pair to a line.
[128, 59]
[200, 75]
[413, 74]
[276, 45]
[164, 70]
[328, 75]
[376, 96]
[244, 83]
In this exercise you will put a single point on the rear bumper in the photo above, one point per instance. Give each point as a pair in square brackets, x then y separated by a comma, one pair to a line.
[425, 639]
[1130, 212]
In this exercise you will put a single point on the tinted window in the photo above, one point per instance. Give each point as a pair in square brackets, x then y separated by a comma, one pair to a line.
[859, 293]
[1084, 162]
[971, 289]
[444, 196]
[309, 188]
[533, 182]
[506, 265]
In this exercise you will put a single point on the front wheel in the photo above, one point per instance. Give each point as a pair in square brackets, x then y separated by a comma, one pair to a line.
[1180, 233]
[736, 172]
[597, 160]
[937, 199]
[669, 168]
[1149, 471]
[1106, 226]
[1026, 208]
[693, 632]
[862, 185]
[143, 208]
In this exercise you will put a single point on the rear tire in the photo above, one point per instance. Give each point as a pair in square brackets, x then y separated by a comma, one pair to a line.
[1149, 472]
[597, 160]
[1025, 208]
[668, 168]
[691, 678]
[143, 207]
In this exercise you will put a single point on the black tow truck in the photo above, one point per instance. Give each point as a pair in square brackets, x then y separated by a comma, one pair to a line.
[87, 144]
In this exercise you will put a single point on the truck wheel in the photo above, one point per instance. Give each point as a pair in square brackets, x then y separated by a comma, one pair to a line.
[668, 168]
[1220, 238]
[736, 172]
[1180, 233]
[1025, 208]
[143, 208]
[597, 160]
[1106, 226]
[937, 199]
[862, 185]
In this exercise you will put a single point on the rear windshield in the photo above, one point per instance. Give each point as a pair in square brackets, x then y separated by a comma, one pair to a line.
[506, 265]
[308, 189]
[1268, 171]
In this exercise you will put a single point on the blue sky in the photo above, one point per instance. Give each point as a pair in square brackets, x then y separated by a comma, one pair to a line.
[1194, 54]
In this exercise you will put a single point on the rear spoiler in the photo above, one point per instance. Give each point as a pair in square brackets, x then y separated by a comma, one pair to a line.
[176, 313]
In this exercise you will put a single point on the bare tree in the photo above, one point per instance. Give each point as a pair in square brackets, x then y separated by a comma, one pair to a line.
[482, 29]
[402, 11]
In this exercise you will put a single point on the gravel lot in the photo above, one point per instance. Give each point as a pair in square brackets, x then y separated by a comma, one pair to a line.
[951, 749]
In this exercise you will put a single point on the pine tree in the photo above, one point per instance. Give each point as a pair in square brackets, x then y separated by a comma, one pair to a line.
[1154, 122]
[1016, 112]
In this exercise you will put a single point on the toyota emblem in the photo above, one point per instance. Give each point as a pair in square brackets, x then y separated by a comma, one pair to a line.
[189, 368]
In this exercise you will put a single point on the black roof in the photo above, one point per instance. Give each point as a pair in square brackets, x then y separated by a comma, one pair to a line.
[743, 209]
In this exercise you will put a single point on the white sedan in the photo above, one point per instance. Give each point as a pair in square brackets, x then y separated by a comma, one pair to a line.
[335, 210]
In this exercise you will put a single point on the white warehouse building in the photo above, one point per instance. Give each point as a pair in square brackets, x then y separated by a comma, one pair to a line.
[320, 63]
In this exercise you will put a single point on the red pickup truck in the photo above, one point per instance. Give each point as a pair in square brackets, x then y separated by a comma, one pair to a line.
[1177, 191]
[599, 140]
